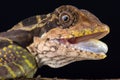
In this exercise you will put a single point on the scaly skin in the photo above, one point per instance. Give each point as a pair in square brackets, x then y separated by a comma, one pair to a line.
[52, 39]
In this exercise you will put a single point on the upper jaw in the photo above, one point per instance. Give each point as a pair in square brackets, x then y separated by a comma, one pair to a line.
[76, 31]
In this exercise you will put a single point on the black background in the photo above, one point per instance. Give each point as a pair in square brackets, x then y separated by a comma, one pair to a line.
[108, 11]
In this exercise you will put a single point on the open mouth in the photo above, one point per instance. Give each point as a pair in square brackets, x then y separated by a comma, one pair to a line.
[84, 42]
[89, 43]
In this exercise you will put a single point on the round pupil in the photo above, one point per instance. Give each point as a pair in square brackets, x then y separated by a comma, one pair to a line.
[65, 18]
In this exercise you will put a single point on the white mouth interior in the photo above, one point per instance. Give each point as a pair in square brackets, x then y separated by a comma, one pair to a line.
[91, 45]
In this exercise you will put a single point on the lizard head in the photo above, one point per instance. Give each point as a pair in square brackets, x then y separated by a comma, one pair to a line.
[74, 37]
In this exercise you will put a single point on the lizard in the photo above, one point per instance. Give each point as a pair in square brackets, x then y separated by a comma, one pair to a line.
[56, 39]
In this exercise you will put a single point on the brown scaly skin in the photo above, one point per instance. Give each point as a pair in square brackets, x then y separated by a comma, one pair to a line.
[50, 40]
[54, 47]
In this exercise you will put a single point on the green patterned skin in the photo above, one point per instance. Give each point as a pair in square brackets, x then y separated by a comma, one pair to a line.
[15, 61]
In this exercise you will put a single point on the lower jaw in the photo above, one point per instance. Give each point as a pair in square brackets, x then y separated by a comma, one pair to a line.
[84, 50]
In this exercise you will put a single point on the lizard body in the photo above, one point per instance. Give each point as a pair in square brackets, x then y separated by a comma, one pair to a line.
[56, 39]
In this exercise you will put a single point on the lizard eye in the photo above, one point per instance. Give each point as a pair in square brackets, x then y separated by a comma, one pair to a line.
[66, 19]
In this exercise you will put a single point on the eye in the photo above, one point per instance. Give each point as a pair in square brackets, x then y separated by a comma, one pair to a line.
[65, 18]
